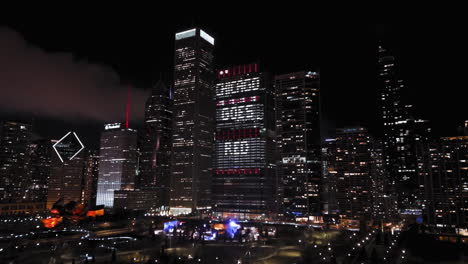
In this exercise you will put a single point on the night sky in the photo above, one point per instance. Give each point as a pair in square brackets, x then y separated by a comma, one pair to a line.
[75, 74]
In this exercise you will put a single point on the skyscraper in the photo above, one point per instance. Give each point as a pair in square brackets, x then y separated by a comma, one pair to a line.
[15, 178]
[117, 162]
[244, 180]
[90, 178]
[156, 142]
[402, 133]
[193, 117]
[353, 163]
[298, 141]
[40, 160]
[384, 201]
[445, 185]
[66, 170]
[329, 177]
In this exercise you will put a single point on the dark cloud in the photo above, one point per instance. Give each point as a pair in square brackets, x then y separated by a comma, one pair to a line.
[57, 85]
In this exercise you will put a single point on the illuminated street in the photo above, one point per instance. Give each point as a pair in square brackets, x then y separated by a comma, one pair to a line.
[288, 244]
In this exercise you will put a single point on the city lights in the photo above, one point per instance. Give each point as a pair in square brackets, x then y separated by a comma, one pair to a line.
[250, 162]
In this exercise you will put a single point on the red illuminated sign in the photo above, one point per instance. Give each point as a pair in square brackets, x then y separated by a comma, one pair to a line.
[238, 70]
[237, 133]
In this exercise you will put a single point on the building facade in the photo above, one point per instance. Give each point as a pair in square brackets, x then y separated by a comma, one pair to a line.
[66, 170]
[328, 195]
[155, 158]
[142, 199]
[384, 201]
[22, 208]
[90, 178]
[117, 162]
[15, 178]
[445, 201]
[298, 142]
[402, 134]
[193, 122]
[40, 160]
[353, 166]
[244, 178]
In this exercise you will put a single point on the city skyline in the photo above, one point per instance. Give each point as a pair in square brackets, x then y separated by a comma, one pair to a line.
[257, 143]
[358, 64]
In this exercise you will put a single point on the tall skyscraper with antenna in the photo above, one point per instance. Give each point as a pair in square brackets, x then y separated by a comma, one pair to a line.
[117, 160]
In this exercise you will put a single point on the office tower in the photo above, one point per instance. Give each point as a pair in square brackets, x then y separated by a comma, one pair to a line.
[117, 162]
[298, 141]
[155, 147]
[384, 202]
[328, 198]
[445, 185]
[90, 178]
[15, 180]
[40, 159]
[353, 163]
[193, 117]
[402, 133]
[244, 180]
[66, 170]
